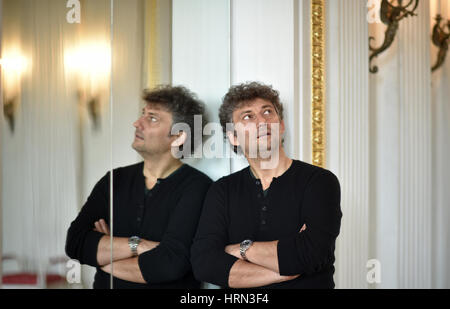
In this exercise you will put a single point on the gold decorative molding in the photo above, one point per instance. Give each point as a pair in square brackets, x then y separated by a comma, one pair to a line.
[157, 49]
[318, 82]
[151, 64]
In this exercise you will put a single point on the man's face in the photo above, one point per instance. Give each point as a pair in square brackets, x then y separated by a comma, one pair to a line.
[152, 135]
[258, 126]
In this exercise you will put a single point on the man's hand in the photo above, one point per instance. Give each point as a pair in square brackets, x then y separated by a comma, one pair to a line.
[146, 245]
[303, 228]
[101, 227]
[234, 250]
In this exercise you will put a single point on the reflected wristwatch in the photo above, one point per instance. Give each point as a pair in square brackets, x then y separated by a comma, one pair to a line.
[133, 242]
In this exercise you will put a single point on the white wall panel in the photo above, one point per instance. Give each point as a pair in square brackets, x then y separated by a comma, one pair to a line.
[262, 49]
[201, 62]
[348, 134]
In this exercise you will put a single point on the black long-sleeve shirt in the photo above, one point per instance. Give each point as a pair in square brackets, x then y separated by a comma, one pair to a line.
[168, 213]
[236, 209]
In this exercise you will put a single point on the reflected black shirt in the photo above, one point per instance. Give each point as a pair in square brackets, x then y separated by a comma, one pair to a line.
[236, 209]
[168, 213]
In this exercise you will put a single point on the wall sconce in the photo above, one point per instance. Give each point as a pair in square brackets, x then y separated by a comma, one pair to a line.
[441, 39]
[91, 64]
[13, 66]
[391, 16]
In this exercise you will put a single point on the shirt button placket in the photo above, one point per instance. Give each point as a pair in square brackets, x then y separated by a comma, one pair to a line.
[263, 210]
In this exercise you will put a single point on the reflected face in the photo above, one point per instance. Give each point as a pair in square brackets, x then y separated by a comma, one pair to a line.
[256, 125]
[152, 135]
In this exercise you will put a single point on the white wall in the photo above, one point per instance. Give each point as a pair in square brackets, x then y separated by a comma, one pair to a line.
[268, 45]
[201, 62]
[127, 82]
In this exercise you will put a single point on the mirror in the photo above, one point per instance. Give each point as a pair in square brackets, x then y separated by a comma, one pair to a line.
[73, 73]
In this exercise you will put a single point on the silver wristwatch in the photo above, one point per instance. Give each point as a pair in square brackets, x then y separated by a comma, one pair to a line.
[244, 247]
[133, 242]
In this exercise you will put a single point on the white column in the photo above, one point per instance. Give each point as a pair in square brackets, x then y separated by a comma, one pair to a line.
[415, 152]
[348, 134]
[402, 150]
[384, 159]
[441, 167]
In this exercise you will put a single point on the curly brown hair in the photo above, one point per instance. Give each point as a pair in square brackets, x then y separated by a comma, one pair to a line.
[182, 104]
[238, 95]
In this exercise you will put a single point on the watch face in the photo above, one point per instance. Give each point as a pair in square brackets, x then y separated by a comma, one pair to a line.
[244, 246]
[246, 242]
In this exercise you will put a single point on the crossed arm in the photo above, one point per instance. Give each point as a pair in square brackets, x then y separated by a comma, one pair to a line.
[260, 269]
[125, 266]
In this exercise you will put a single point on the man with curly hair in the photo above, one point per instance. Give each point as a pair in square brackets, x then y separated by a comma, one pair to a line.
[268, 225]
[156, 203]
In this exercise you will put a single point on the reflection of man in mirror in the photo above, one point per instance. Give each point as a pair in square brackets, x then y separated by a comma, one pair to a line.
[266, 225]
[157, 204]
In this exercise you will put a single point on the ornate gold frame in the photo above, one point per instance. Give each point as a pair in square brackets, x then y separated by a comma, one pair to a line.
[318, 82]
[151, 63]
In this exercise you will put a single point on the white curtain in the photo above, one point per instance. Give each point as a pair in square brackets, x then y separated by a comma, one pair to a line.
[39, 159]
